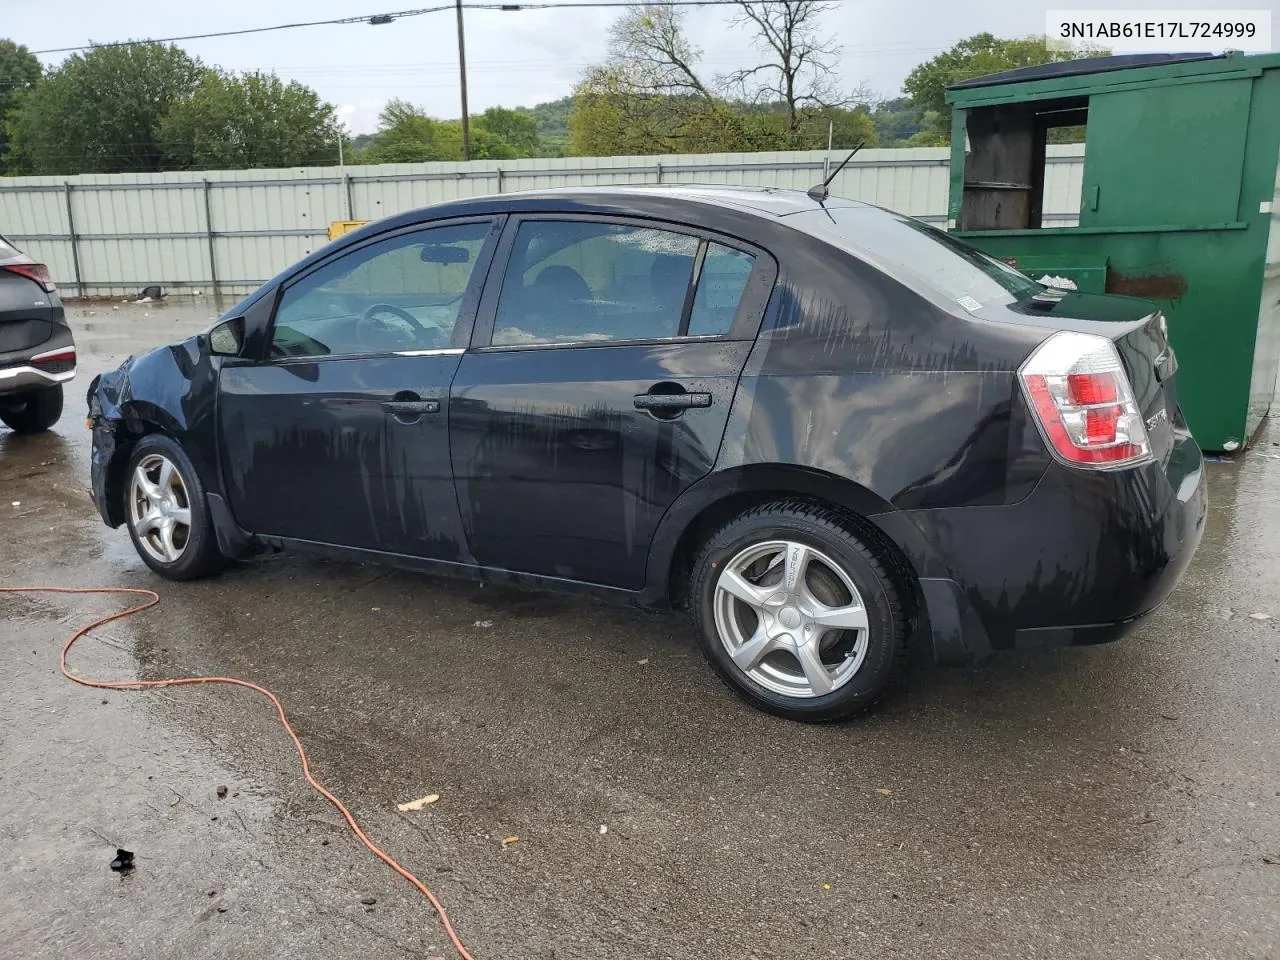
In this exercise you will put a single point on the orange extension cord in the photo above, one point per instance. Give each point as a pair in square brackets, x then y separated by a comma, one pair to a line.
[152, 599]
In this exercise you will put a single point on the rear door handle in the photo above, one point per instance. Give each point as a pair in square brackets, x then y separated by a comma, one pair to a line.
[671, 401]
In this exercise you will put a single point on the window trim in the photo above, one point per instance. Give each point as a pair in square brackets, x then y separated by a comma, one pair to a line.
[462, 329]
[746, 320]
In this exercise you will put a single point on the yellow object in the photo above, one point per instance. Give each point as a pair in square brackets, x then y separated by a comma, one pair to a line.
[338, 227]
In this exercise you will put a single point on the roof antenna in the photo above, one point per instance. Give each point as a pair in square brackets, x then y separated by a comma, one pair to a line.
[819, 191]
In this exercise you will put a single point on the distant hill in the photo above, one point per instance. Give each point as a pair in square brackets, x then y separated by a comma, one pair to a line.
[553, 125]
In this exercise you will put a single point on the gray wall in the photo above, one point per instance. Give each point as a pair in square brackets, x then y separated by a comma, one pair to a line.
[186, 230]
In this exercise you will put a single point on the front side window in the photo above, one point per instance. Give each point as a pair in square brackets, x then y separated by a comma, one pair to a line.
[577, 281]
[402, 293]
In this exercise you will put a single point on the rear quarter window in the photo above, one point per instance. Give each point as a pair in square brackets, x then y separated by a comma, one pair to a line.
[919, 255]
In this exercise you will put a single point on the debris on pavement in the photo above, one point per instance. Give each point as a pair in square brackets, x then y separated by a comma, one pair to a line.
[484, 623]
[368, 901]
[1259, 616]
[419, 803]
[221, 791]
[123, 860]
[508, 841]
[603, 829]
[885, 790]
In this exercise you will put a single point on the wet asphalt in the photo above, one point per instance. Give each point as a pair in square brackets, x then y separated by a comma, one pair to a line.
[1118, 801]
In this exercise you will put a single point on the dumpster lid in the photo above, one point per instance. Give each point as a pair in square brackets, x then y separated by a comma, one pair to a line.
[1070, 68]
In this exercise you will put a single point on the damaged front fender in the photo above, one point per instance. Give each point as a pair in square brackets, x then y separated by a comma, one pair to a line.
[170, 390]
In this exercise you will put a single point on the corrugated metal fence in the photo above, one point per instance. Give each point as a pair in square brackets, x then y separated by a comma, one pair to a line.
[227, 231]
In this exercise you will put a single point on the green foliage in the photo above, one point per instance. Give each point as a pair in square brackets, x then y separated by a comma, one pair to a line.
[896, 121]
[407, 135]
[977, 56]
[552, 120]
[101, 111]
[231, 122]
[517, 130]
[609, 120]
[19, 73]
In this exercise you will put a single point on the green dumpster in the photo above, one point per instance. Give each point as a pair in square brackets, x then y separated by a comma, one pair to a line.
[1180, 205]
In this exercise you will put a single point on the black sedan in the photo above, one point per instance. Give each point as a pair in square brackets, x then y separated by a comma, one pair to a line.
[37, 351]
[820, 426]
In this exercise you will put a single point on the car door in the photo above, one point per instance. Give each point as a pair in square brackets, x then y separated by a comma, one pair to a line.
[597, 388]
[339, 434]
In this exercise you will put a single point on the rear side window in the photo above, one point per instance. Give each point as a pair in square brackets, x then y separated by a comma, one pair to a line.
[579, 281]
[7, 249]
[720, 287]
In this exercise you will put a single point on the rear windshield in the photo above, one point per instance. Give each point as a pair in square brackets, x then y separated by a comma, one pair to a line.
[919, 255]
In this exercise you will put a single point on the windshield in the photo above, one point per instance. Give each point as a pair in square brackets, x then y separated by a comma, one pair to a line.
[919, 254]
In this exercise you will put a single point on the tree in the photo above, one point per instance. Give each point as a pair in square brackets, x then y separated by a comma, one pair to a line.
[896, 121]
[650, 96]
[977, 56]
[519, 131]
[407, 135]
[800, 61]
[19, 73]
[552, 121]
[230, 122]
[100, 111]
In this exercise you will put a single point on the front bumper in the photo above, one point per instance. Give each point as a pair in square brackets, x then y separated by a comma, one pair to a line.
[1082, 558]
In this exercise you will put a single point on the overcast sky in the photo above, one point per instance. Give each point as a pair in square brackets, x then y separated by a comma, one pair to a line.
[514, 58]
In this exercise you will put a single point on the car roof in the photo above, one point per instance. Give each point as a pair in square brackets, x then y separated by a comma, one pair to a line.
[642, 199]
[773, 201]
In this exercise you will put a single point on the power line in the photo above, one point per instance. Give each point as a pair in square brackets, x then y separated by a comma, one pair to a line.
[379, 19]
[375, 19]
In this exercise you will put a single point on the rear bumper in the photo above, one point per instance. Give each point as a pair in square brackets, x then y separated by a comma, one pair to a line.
[1079, 561]
[23, 370]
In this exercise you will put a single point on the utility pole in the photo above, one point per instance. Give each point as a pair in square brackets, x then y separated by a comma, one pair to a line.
[462, 71]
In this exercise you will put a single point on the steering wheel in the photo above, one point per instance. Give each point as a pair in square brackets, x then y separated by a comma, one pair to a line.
[368, 323]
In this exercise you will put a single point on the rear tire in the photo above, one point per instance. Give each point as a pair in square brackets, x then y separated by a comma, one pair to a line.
[797, 613]
[34, 411]
[167, 513]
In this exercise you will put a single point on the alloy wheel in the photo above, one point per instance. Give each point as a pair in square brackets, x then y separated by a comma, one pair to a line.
[159, 508]
[791, 618]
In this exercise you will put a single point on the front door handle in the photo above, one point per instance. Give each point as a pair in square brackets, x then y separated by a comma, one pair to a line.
[671, 401]
[412, 406]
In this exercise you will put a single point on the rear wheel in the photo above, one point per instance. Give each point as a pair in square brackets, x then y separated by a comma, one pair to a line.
[166, 511]
[34, 411]
[797, 613]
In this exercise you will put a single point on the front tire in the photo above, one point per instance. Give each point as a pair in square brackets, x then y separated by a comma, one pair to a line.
[797, 613]
[166, 511]
[34, 411]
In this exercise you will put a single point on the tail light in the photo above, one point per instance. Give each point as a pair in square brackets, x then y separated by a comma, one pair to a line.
[1081, 397]
[56, 361]
[33, 271]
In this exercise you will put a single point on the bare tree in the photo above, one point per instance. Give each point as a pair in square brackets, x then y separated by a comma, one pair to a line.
[800, 70]
[649, 52]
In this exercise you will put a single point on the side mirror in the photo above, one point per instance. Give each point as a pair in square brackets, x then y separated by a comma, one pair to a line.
[227, 338]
